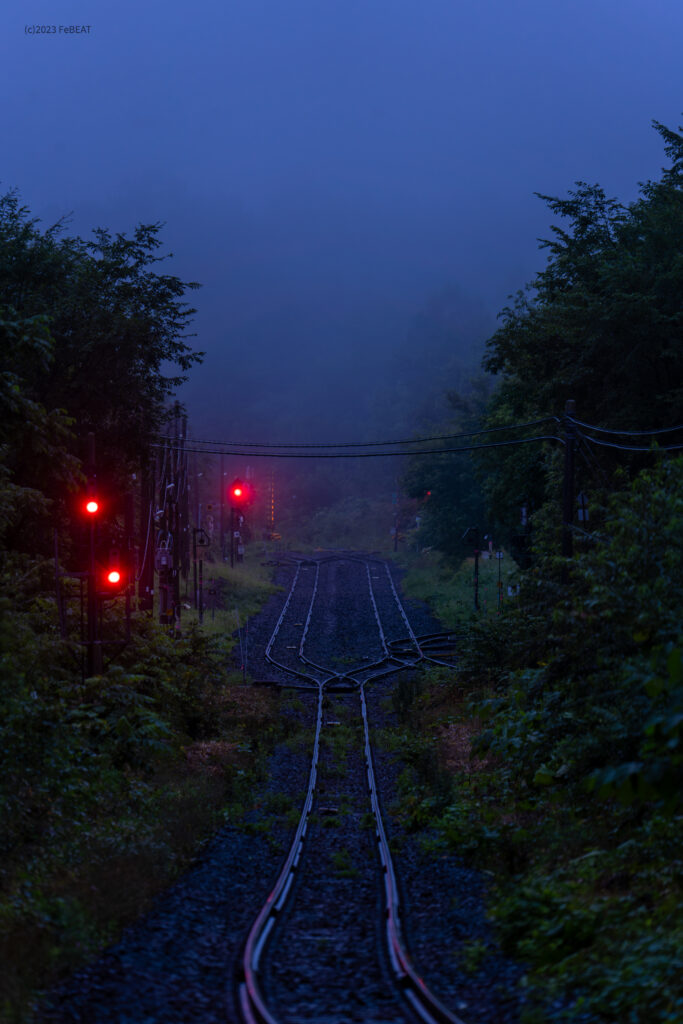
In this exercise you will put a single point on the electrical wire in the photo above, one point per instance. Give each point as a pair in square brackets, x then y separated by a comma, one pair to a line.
[372, 455]
[144, 557]
[625, 433]
[365, 444]
[590, 459]
[632, 447]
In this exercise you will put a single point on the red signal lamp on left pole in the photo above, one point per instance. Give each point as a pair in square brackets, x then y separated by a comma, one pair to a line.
[115, 576]
[91, 507]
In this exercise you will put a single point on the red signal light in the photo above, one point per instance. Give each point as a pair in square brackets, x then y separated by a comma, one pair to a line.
[239, 492]
[115, 575]
[92, 506]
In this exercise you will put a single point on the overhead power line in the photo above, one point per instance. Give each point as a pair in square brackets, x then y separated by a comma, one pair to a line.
[368, 444]
[625, 433]
[360, 455]
[633, 447]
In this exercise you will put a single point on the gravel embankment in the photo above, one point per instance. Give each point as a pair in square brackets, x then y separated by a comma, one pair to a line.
[326, 963]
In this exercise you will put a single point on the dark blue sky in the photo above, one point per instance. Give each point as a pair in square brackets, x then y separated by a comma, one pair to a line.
[325, 168]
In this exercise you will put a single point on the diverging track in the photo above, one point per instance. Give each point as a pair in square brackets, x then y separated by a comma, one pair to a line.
[327, 945]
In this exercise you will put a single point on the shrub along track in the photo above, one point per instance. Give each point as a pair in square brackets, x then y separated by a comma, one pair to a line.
[339, 956]
[321, 920]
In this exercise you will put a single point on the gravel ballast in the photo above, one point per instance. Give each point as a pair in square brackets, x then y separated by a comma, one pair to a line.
[326, 961]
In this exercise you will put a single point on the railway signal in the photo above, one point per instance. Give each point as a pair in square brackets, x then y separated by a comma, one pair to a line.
[90, 507]
[115, 575]
[239, 493]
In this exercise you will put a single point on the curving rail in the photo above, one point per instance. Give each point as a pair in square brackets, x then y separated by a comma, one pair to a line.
[396, 655]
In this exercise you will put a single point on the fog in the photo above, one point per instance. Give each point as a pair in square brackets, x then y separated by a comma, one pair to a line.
[353, 184]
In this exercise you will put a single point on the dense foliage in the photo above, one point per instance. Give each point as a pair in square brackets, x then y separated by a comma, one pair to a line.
[88, 332]
[601, 324]
[108, 783]
[571, 701]
[447, 487]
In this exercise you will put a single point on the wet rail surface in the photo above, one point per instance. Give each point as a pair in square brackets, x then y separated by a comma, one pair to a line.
[342, 627]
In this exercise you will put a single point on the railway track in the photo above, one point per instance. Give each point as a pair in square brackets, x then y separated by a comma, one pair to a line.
[335, 647]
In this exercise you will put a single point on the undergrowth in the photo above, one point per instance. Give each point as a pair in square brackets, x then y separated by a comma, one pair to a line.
[109, 785]
[570, 709]
[450, 591]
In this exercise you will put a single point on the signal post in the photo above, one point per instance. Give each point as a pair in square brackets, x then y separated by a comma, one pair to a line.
[92, 509]
[238, 494]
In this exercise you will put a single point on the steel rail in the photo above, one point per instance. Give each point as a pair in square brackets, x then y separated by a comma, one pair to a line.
[337, 676]
[445, 647]
[269, 646]
[250, 998]
[419, 998]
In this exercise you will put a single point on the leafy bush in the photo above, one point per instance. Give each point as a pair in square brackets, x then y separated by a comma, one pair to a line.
[599, 696]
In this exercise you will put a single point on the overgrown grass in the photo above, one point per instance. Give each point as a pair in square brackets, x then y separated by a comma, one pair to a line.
[450, 592]
[230, 595]
[109, 786]
[358, 524]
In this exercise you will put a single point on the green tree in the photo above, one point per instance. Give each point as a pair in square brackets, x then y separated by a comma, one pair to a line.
[34, 441]
[448, 484]
[91, 336]
[118, 325]
[602, 323]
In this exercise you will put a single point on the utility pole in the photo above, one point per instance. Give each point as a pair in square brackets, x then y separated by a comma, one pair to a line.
[271, 511]
[147, 536]
[185, 508]
[499, 556]
[568, 484]
[177, 520]
[163, 556]
[128, 529]
[94, 648]
[476, 574]
[222, 495]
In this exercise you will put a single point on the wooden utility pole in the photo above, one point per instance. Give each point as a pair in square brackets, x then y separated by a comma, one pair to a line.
[93, 645]
[568, 483]
[147, 536]
[129, 557]
[222, 496]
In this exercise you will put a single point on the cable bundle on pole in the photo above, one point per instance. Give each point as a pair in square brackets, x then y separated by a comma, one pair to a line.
[654, 446]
